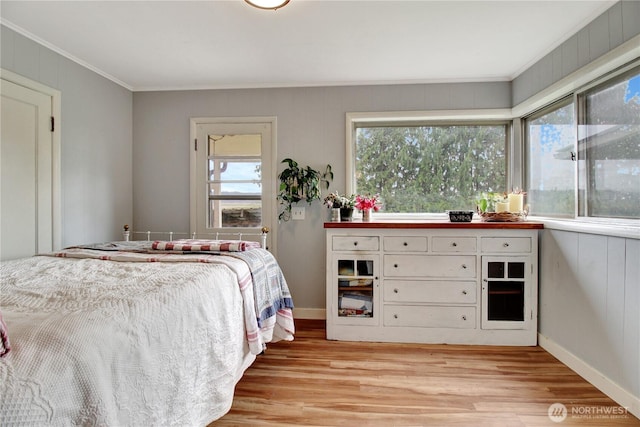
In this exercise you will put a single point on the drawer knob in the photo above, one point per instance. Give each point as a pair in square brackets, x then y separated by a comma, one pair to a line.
[395, 291]
[464, 266]
[505, 244]
[464, 317]
[454, 244]
[464, 292]
[355, 243]
[395, 265]
[405, 244]
[395, 316]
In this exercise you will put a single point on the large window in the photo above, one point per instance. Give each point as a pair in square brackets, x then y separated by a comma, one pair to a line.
[429, 167]
[583, 153]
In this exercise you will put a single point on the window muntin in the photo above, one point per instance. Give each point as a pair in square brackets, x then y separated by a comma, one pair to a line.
[609, 148]
[551, 158]
[234, 180]
[429, 167]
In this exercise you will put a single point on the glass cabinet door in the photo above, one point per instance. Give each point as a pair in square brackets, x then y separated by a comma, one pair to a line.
[505, 292]
[356, 289]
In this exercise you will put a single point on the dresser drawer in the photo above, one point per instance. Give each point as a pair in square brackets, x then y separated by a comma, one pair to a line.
[453, 244]
[418, 291]
[405, 244]
[430, 316]
[356, 243]
[506, 244]
[454, 266]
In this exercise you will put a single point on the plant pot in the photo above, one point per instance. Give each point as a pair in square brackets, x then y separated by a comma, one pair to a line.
[335, 214]
[366, 215]
[346, 214]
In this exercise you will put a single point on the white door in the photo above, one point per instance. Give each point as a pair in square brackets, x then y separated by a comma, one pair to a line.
[232, 177]
[26, 153]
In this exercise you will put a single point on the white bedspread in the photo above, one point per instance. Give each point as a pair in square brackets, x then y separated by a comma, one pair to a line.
[107, 343]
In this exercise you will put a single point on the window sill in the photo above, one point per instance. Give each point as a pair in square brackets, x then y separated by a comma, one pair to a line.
[607, 227]
[629, 229]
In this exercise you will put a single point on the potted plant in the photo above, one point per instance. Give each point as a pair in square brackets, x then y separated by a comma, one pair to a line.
[487, 202]
[342, 202]
[298, 183]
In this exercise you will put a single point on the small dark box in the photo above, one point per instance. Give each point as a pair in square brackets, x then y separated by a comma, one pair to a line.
[460, 216]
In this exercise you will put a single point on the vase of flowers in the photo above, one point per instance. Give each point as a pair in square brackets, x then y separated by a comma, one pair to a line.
[366, 204]
[343, 203]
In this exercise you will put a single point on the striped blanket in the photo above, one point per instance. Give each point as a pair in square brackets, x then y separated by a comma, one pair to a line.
[271, 290]
[267, 301]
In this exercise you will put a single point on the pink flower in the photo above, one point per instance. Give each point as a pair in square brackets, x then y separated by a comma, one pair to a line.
[368, 202]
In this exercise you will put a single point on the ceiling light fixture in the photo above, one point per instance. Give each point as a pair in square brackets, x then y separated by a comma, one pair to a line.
[268, 4]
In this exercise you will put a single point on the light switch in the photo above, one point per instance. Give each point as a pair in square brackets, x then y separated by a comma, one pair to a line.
[297, 213]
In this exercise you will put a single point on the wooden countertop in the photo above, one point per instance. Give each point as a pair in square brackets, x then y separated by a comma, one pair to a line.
[445, 223]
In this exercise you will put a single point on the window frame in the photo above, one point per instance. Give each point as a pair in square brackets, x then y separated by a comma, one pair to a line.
[268, 196]
[577, 96]
[426, 118]
[606, 81]
[218, 199]
[556, 105]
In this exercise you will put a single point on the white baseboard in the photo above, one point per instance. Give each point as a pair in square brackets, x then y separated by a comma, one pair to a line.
[598, 379]
[309, 313]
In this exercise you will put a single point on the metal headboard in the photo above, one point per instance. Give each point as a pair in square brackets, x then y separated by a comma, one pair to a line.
[128, 234]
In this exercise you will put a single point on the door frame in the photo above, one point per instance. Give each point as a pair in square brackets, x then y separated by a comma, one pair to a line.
[56, 108]
[270, 181]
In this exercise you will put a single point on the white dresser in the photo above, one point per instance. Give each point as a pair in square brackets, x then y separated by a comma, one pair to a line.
[433, 282]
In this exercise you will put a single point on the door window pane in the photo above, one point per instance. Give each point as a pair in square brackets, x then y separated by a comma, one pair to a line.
[505, 301]
[235, 145]
[234, 169]
[232, 213]
[551, 155]
[495, 270]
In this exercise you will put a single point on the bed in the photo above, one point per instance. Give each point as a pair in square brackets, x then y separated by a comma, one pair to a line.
[134, 333]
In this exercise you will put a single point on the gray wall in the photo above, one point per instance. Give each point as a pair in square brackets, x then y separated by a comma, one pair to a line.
[96, 139]
[311, 130]
[618, 24]
[589, 299]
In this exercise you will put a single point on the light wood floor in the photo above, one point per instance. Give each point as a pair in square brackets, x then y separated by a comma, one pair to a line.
[312, 381]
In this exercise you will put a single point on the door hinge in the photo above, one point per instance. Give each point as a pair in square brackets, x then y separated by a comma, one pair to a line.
[196, 144]
[53, 123]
